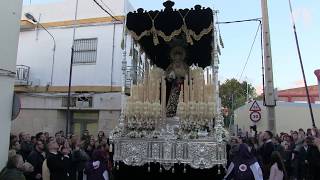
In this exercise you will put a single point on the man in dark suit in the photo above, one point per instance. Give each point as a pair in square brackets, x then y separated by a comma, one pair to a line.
[311, 159]
[36, 158]
[265, 152]
[59, 163]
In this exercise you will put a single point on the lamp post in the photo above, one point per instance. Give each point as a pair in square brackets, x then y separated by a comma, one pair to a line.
[31, 18]
[68, 119]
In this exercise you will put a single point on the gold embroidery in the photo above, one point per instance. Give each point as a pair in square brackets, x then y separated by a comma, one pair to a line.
[155, 33]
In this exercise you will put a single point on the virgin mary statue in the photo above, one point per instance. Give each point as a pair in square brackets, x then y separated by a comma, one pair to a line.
[176, 72]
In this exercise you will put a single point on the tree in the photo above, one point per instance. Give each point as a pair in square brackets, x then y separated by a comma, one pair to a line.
[234, 93]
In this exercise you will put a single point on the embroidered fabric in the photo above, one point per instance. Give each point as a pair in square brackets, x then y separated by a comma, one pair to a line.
[190, 34]
[173, 99]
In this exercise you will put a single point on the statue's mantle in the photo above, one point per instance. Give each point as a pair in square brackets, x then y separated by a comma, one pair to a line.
[197, 153]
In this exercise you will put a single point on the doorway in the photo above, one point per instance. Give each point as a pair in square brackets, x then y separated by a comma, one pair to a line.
[86, 120]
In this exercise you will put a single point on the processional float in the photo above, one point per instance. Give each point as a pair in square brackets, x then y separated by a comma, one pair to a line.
[172, 116]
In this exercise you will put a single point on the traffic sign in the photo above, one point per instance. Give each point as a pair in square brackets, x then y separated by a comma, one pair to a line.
[255, 116]
[255, 107]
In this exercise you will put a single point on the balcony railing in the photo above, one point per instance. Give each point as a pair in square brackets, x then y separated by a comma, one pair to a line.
[22, 75]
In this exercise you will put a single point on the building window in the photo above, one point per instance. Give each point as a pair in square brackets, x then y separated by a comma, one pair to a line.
[85, 51]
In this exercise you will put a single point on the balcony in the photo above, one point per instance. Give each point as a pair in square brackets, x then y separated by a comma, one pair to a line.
[22, 75]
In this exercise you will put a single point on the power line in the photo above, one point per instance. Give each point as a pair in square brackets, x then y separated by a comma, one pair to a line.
[239, 21]
[105, 10]
[248, 57]
[301, 64]
[107, 6]
[262, 65]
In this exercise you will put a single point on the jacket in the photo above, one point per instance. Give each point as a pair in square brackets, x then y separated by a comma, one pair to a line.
[36, 159]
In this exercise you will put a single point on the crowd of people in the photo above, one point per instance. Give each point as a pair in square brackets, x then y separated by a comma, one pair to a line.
[285, 156]
[59, 157]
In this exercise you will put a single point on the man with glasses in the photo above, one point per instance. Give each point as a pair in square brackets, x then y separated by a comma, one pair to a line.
[36, 158]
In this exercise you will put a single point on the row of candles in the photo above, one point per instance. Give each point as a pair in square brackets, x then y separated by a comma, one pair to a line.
[195, 89]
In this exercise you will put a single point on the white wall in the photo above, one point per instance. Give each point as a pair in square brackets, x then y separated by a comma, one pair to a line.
[65, 10]
[36, 49]
[43, 112]
[102, 101]
[39, 120]
[37, 54]
[289, 116]
[10, 12]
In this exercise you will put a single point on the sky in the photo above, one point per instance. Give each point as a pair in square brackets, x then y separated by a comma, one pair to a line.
[238, 38]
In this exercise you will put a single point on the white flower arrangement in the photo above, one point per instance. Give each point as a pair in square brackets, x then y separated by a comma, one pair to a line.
[141, 117]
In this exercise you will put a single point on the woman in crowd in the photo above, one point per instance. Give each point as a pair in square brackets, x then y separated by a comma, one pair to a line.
[89, 148]
[13, 169]
[277, 171]
[101, 137]
[287, 157]
[79, 159]
[96, 168]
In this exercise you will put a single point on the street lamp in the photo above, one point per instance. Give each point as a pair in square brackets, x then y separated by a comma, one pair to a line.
[31, 18]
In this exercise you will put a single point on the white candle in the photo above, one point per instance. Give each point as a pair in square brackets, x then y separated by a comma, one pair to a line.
[185, 86]
[191, 90]
[163, 96]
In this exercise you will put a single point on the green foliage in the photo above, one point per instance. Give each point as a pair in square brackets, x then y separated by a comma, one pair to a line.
[234, 93]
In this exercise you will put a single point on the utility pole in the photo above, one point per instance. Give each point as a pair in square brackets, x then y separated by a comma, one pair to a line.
[270, 100]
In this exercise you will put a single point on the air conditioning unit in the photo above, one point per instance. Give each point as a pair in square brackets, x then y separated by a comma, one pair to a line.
[83, 102]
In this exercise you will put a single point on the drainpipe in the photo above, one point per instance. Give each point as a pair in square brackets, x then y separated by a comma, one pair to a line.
[112, 58]
[317, 73]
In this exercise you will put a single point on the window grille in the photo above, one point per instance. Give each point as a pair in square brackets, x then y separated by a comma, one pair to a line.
[85, 51]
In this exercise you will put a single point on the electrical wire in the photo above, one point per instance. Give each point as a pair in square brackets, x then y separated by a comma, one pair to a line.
[101, 7]
[239, 21]
[262, 65]
[301, 64]
[249, 55]
[107, 6]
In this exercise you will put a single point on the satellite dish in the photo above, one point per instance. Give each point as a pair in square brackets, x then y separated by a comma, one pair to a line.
[16, 106]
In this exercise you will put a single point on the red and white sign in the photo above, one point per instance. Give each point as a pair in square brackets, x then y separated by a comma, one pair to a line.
[255, 116]
[255, 107]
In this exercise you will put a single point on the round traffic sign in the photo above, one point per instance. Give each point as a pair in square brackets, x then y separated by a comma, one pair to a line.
[255, 116]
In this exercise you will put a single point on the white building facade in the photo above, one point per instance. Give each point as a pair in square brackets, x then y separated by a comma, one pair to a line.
[43, 65]
[289, 116]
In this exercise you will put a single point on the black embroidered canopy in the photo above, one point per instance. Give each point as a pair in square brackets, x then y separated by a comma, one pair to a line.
[158, 31]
